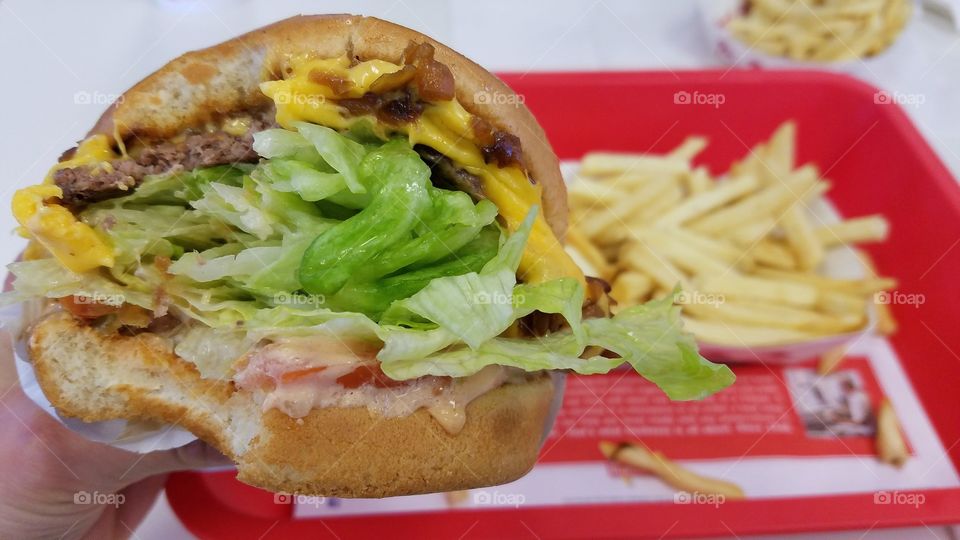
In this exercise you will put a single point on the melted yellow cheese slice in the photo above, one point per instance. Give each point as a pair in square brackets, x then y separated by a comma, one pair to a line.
[94, 150]
[54, 229]
[444, 126]
[74, 243]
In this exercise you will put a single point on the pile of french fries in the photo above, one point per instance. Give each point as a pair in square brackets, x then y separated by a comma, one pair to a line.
[745, 249]
[821, 30]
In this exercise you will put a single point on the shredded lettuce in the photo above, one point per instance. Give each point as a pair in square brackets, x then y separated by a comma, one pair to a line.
[345, 234]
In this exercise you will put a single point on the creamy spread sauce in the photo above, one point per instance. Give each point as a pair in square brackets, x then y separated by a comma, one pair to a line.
[296, 375]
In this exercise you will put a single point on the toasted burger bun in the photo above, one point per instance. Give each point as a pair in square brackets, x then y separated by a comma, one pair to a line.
[333, 452]
[201, 85]
[344, 452]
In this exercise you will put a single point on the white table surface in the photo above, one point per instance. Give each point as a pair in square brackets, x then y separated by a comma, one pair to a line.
[53, 50]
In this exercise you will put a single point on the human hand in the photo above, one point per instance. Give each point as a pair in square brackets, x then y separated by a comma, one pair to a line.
[57, 484]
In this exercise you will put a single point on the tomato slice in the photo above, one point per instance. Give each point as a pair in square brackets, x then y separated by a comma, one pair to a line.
[86, 308]
[368, 374]
[300, 373]
[364, 374]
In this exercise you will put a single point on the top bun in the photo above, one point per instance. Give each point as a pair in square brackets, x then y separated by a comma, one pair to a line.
[202, 85]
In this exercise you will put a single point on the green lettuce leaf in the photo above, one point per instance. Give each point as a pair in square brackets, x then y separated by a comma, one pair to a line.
[649, 337]
[341, 153]
[398, 179]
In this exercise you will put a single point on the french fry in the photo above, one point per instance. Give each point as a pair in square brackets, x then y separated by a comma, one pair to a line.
[708, 200]
[763, 203]
[456, 498]
[580, 242]
[609, 163]
[630, 288]
[806, 247]
[674, 475]
[742, 335]
[781, 149]
[685, 256]
[585, 265]
[592, 194]
[886, 323]
[661, 292]
[698, 181]
[769, 253]
[750, 233]
[716, 248]
[660, 206]
[855, 231]
[608, 225]
[759, 289]
[639, 257]
[831, 359]
[775, 316]
[841, 303]
[891, 446]
[865, 286]
[688, 149]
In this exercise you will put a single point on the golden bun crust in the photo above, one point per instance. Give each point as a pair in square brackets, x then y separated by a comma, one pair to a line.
[202, 85]
[343, 452]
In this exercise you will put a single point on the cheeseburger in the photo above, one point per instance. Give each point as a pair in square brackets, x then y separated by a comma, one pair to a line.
[316, 248]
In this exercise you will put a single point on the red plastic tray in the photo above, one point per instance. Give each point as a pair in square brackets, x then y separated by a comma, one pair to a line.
[877, 161]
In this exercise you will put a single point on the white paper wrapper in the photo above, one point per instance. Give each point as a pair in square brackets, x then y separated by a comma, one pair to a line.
[140, 437]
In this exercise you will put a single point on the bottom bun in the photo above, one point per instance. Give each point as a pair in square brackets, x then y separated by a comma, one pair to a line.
[342, 452]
